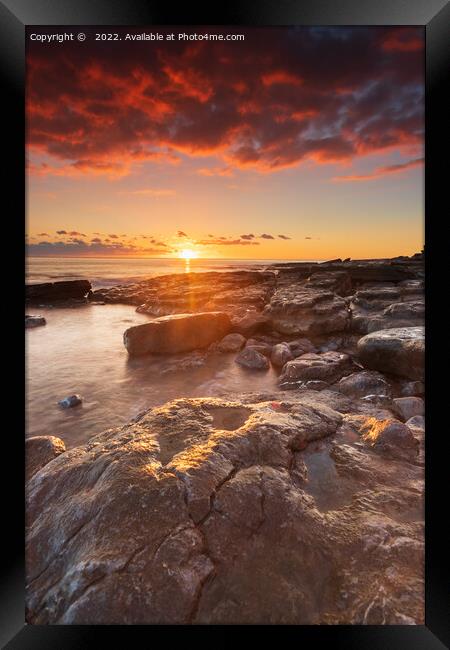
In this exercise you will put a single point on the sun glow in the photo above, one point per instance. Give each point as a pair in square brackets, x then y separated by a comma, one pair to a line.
[187, 254]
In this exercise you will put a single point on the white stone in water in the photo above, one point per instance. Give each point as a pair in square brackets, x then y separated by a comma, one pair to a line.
[70, 401]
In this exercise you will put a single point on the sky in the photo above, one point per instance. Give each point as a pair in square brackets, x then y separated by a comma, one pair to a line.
[294, 143]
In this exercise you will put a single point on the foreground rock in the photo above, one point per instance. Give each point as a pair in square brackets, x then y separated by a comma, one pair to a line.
[177, 333]
[34, 321]
[254, 510]
[50, 292]
[397, 351]
[39, 451]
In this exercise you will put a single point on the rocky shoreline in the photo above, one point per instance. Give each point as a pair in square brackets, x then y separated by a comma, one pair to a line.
[303, 505]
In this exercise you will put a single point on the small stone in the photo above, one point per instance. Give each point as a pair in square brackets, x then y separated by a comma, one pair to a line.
[70, 401]
[231, 343]
[280, 355]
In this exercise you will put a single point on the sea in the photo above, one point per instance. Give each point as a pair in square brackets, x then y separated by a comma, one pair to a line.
[107, 272]
[80, 350]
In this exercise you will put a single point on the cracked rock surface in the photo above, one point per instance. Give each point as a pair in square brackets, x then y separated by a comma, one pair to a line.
[261, 508]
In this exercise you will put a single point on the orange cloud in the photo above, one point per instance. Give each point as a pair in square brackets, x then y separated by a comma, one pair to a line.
[380, 172]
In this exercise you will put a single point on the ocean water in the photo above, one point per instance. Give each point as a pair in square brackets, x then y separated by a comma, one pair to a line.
[106, 272]
[80, 350]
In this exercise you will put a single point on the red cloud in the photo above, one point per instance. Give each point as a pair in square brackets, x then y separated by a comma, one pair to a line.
[282, 96]
[403, 40]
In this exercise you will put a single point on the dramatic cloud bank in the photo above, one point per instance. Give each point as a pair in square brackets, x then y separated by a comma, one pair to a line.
[278, 98]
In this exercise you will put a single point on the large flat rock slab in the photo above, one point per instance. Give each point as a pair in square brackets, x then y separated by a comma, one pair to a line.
[257, 509]
[176, 333]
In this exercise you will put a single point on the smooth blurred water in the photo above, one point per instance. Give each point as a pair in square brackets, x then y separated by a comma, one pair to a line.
[80, 350]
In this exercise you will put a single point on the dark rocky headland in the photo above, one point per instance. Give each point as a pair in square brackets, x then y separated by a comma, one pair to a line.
[303, 505]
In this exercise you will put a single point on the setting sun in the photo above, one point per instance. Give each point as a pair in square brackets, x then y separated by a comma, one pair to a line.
[187, 254]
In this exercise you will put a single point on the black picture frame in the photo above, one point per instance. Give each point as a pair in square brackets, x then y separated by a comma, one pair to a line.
[15, 15]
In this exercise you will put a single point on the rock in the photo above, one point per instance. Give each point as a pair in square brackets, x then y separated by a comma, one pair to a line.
[281, 354]
[377, 306]
[390, 437]
[412, 388]
[34, 321]
[231, 343]
[249, 357]
[337, 281]
[366, 382]
[413, 310]
[416, 422]
[241, 294]
[70, 401]
[176, 333]
[396, 351]
[39, 451]
[301, 346]
[316, 384]
[250, 323]
[297, 310]
[208, 511]
[260, 346]
[410, 406]
[327, 367]
[57, 291]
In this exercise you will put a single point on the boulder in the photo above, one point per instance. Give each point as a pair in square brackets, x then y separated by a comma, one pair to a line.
[50, 292]
[249, 357]
[231, 343]
[410, 406]
[399, 351]
[361, 384]
[281, 354]
[327, 367]
[34, 321]
[213, 511]
[40, 450]
[176, 333]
